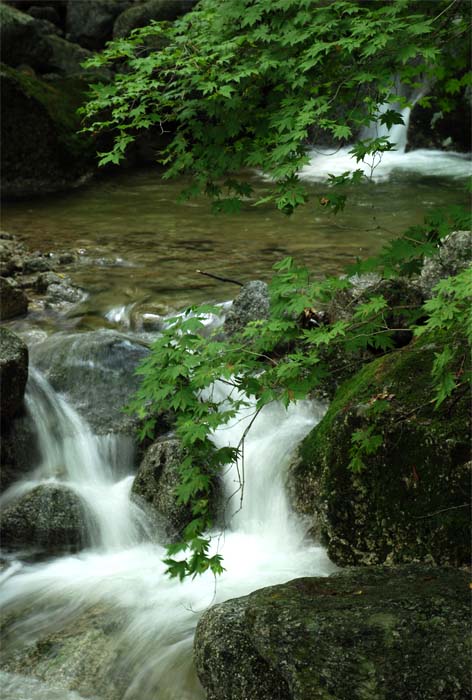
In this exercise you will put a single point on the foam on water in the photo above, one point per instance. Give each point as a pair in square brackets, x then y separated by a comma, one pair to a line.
[263, 544]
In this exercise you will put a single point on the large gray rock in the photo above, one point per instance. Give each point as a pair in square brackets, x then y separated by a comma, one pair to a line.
[454, 255]
[142, 13]
[251, 304]
[365, 634]
[13, 373]
[90, 22]
[48, 517]
[155, 484]
[13, 301]
[96, 372]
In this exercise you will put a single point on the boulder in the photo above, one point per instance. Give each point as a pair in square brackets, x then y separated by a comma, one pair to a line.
[23, 39]
[411, 499]
[13, 373]
[370, 634]
[251, 304]
[154, 487]
[141, 14]
[454, 255]
[49, 517]
[13, 301]
[42, 151]
[90, 22]
[96, 371]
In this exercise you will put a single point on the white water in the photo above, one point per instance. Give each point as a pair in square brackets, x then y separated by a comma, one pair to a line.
[384, 166]
[264, 543]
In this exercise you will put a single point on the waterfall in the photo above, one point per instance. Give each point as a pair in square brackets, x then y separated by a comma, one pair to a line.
[154, 616]
[95, 467]
[325, 162]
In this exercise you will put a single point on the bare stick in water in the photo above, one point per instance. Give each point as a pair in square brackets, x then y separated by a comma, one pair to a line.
[220, 279]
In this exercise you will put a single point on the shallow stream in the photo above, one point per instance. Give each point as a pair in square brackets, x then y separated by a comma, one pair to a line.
[112, 625]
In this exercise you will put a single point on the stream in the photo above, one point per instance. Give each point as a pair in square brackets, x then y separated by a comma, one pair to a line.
[121, 628]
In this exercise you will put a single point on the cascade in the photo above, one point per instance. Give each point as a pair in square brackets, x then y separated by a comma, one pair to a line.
[324, 162]
[124, 578]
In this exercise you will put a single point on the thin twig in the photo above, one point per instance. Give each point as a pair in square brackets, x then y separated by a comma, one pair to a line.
[437, 512]
[220, 279]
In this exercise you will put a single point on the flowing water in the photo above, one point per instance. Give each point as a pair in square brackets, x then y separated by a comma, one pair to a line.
[263, 543]
[127, 629]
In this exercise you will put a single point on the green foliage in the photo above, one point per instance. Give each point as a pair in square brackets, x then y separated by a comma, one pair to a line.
[241, 84]
[284, 358]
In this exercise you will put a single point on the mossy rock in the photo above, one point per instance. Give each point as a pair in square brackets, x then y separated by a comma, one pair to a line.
[367, 634]
[411, 502]
[42, 151]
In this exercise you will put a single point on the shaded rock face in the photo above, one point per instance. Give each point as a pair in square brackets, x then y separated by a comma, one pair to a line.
[429, 127]
[13, 301]
[141, 14]
[96, 372]
[369, 634]
[41, 150]
[155, 483]
[411, 502]
[251, 304]
[454, 255]
[90, 22]
[13, 373]
[19, 450]
[48, 517]
[23, 38]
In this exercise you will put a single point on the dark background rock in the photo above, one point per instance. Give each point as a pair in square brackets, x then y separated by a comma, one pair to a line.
[49, 517]
[90, 22]
[13, 373]
[142, 13]
[411, 502]
[42, 151]
[370, 634]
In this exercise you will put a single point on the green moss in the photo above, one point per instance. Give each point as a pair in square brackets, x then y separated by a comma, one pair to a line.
[411, 501]
[61, 99]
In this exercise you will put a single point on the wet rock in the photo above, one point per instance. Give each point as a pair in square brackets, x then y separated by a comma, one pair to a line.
[96, 372]
[367, 633]
[46, 154]
[13, 300]
[63, 294]
[411, 499]
[19, 450]
[251, 304]
[37, 263]
[454, 255]
[48, 517]
[155, 483]
[44, 279]
[141, 14]
[85, 653]
[13, 373]
[90, 22]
